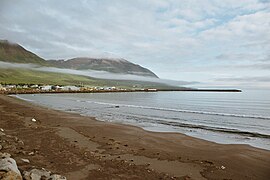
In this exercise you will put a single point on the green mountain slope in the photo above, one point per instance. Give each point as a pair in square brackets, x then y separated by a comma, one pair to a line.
[14, 53]
[15, 76]
[25, 76]
[101, 64]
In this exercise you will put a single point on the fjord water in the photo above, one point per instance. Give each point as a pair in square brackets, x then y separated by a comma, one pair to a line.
[229, 117]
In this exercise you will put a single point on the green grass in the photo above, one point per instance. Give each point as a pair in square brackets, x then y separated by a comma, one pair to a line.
[16, 76]
[25, 76]
[13, 53]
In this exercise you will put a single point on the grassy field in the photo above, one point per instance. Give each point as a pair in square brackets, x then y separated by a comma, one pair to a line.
[16, 76]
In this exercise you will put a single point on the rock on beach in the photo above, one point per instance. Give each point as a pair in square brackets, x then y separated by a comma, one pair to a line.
[8, 168]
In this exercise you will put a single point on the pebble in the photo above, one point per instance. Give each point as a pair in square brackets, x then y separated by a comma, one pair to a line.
[10, 171]
[4, 155]
[37, 174]
[25, 160]
[21, 142]
[57, 177]
[34, 120]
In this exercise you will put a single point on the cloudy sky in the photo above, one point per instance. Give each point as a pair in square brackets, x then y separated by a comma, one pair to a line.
[217, 43]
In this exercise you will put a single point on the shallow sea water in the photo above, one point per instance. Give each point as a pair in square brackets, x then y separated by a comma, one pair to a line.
[229, 117]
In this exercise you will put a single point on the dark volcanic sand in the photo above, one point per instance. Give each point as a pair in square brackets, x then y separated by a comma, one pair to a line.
[82, 148]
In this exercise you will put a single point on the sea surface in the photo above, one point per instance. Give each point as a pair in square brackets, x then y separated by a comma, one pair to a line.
[228, 118]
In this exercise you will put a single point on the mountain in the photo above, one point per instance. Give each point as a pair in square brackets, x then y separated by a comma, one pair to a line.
[27, 76]
[14, 53]
[102, 64]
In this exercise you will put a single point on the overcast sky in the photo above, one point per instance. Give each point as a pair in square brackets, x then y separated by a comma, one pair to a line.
[220, 43]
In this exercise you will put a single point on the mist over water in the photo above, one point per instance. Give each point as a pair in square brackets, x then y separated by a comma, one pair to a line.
[230, 118]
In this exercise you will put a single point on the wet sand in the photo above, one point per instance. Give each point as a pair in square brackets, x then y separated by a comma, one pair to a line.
[80, 147]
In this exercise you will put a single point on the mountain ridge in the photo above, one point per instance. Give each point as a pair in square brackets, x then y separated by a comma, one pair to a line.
[15, 53]
[121, 65]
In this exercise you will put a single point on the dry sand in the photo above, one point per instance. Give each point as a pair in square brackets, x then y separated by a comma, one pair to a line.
[82, 148]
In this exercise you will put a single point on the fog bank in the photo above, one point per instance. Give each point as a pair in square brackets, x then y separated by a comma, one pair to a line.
[93, 73]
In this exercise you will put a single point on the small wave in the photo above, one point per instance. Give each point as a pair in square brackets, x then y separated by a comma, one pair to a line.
[183, 110]
[215, 129]
[159, 121]
[16, 96]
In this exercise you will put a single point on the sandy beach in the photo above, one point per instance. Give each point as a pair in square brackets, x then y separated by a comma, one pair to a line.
[81, 147]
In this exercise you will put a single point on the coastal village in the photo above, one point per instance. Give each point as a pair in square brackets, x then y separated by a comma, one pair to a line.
[38, 88]
[35, 88]
[135, 90]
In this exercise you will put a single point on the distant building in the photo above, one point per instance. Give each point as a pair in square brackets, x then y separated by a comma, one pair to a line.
[10, 86]
[46, 88]
[99, 88]
[109, 88]
[151, 89]
[2, 88]
[34, 86]
[70, 88]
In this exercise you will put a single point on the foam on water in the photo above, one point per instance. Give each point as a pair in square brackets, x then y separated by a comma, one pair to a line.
[221, 117]
[182, 110]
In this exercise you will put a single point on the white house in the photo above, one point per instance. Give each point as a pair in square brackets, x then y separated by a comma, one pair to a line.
[2, 88]
[151, 89]
[70, 88]
[46, 88]
[34, 86]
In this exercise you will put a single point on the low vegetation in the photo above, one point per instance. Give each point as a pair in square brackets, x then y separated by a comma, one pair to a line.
[24, 76]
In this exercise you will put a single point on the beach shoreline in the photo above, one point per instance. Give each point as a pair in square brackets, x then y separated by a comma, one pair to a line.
[83, 148]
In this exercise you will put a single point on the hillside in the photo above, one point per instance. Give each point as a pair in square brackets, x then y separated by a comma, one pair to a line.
[26, 76]
[14, 53]
[111, 65]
